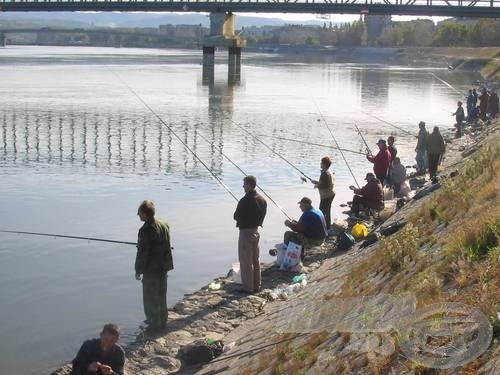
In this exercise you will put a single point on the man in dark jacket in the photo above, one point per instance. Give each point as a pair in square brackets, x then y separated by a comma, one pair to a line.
[421, 149]
[153, 261]
[459, 118]
[483, 104]
[381, 161]
[101, 356]
[370, 196]
[493, 105]
[435, 150]
[249, 216]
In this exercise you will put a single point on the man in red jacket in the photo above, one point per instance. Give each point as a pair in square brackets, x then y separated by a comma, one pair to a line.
[381, 161]
[370, 196]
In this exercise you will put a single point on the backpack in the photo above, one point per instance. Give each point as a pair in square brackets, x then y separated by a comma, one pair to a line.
[345, 240]
[204, 352]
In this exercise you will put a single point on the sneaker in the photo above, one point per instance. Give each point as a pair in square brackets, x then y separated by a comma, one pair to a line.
[273, 252]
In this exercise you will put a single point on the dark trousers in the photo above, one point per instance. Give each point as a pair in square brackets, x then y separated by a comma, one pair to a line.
[154, 298]
[357, 201]
[381, 177]
[433, 164]
[325, 205]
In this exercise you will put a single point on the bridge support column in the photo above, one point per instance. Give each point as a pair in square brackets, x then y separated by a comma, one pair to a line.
[234, 65]
[3, 40]
[208, 64]
[222, 35]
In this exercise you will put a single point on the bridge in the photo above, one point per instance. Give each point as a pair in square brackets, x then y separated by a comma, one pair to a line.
[448, 8]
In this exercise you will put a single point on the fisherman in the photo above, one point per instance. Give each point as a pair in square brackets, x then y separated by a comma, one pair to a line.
[459, 117]
[369, 196]
[249, 215]
[435, 151]
[421, 149]
[398, 175]
[493, 105]
[101, 356]
[474, 94]
[310, 230]
[381, 161]
[325, 189]
[392, 149]
[470, 106]
[483, 104]
[152, 263]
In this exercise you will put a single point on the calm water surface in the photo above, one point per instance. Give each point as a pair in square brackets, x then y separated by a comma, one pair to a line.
[79, 152]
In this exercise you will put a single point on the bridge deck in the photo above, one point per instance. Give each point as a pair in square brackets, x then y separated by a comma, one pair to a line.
[451, 8]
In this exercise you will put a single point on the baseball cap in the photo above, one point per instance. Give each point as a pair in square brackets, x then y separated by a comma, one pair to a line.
[305, 200]
[381, 141]
[369, 175]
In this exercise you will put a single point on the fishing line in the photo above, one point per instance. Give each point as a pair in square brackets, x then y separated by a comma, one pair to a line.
[335, 140]
[176, 136]
[274, 152]
[364, 140]
[388, 123]
[310, 143]
[64, 236]
[447, 84]
[242, 171]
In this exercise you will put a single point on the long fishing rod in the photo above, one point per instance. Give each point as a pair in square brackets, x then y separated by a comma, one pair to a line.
[447, 84]
[274, 152]
[178, 138]
[364, 140]
[335, 140]
[242, 171]
[309, 143]
[65, 236]
[388, 123]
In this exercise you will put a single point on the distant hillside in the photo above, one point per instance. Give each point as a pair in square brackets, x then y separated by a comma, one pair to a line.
[109, 19]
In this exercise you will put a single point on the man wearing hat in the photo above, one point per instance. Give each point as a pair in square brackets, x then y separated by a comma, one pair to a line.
[310, 230]
[381, 161]
[371, 195]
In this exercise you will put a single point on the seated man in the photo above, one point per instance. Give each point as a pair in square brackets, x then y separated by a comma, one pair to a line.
[310, 230]
[398, 175]
[101, 356]
[370, 196]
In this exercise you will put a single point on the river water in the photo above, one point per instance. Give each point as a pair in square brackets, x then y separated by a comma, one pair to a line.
[79, 151]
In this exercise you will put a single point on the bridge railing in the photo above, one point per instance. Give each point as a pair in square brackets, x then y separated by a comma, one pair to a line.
[451, 3]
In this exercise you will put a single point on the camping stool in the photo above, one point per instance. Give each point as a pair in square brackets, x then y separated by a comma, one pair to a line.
[374, 212]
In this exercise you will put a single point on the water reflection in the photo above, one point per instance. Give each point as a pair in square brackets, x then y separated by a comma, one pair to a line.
[121, 142]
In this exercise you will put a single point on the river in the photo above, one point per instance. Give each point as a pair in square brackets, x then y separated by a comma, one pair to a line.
[79, 151]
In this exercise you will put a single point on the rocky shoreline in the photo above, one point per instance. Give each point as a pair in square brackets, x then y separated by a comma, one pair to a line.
[226, 314]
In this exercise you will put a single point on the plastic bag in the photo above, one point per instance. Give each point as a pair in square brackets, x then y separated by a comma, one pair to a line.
[292, 256]
[404, 189]
[236, 273]
[359, 230]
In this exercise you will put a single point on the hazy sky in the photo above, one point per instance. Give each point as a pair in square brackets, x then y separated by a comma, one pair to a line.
[332, 17]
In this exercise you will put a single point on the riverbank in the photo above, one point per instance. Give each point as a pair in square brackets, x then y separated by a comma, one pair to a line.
[445, 253]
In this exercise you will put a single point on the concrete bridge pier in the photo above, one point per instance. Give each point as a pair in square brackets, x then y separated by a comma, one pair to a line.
[3, 40]
[234, 65]
[208, 64]
[222, 35]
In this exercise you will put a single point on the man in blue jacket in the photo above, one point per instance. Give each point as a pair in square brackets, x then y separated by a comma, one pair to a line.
[310, 230]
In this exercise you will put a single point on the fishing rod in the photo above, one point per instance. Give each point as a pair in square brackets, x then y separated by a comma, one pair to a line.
[388, 123]
[309, 143]
[65, 236]
[274, 152]
[242, 171]
[447, 84]
[364, 141]
[176, 136]
[335, 140]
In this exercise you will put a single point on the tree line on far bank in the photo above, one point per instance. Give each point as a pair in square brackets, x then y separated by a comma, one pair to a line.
[416, 33]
